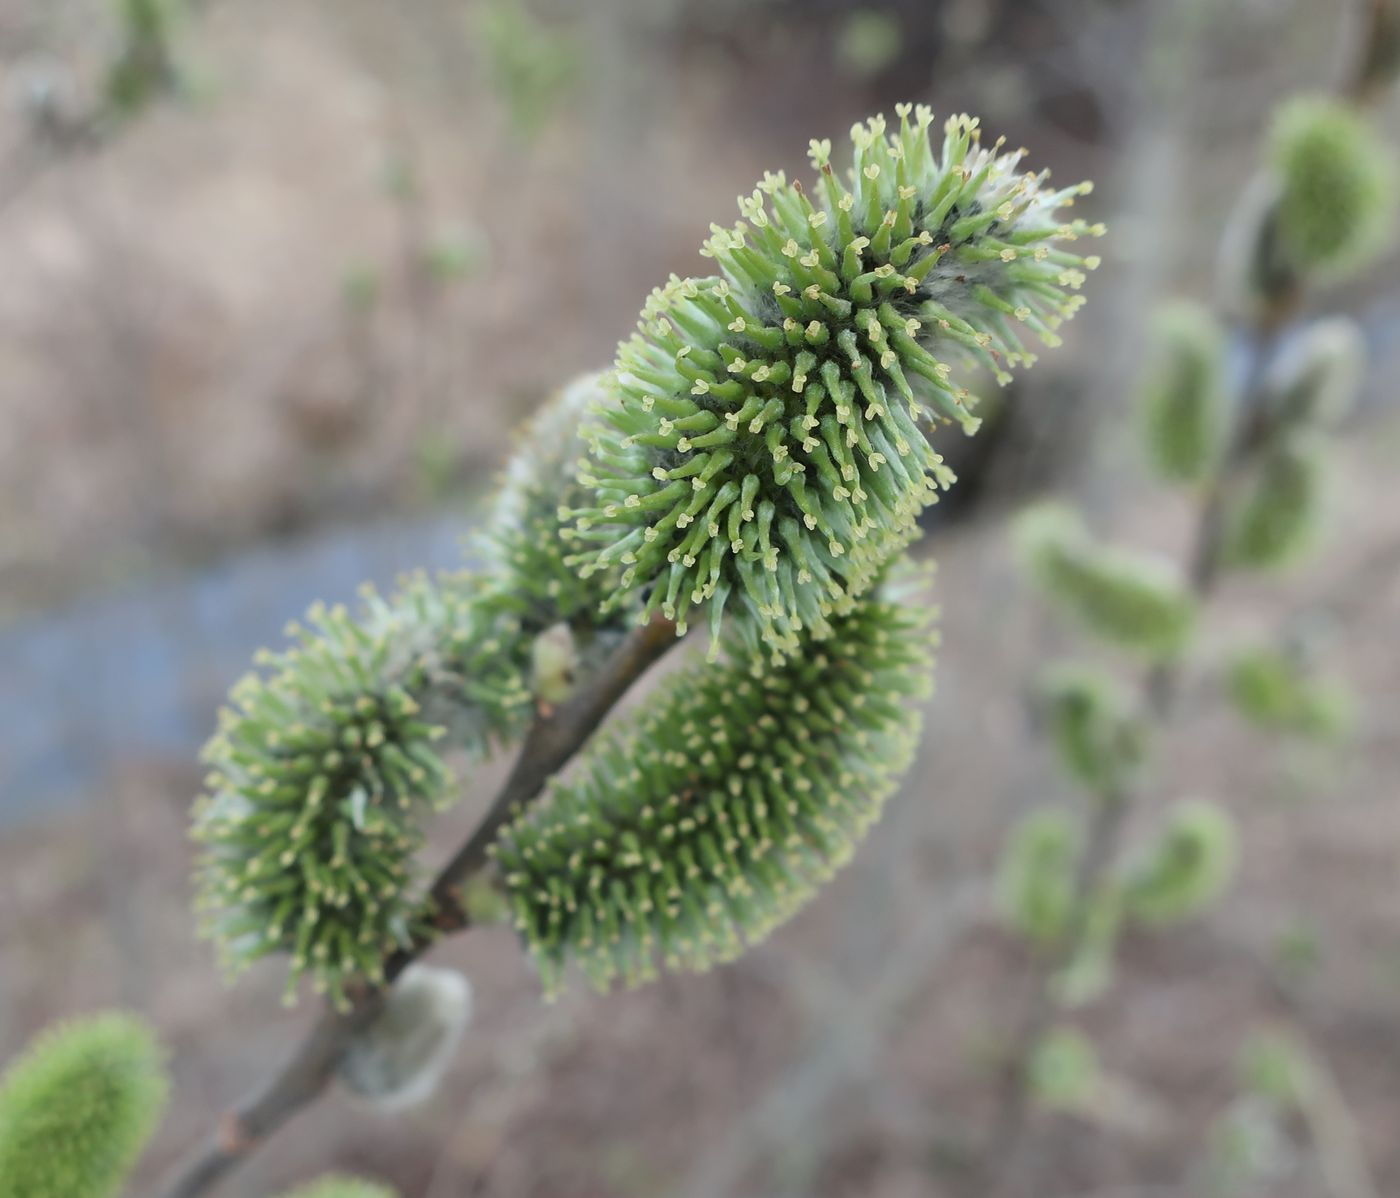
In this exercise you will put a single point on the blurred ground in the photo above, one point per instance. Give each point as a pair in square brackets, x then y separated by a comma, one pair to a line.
[326, 285]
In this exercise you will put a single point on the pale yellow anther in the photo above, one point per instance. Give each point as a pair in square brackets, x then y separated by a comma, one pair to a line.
[813, 292]
[737, 325]
[781, 289]
[816, 219]
[791, 249]
[872, 171]
[846, 202]
[699, 387]
[1008, 254]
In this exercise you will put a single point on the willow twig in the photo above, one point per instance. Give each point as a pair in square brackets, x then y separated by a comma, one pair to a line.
[553, 739]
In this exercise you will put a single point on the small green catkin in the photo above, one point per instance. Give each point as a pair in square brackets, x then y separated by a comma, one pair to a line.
[526, 586]
[767, 445]
[342, 1187]
[77, 1108]
[1183, 401]
[1135, 600]
[1063, 1070]
[1274, 518]
[323, 767]
[1035, 878]
[1096, 732]
[1337, 186]
[328, 759]
[1276, 691]
[715, 815]
[1316, 377]
[1191, 864]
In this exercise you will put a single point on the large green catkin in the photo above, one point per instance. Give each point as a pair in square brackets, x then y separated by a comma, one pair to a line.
[767, 444]
[1135, 600]
[1183, 402]
[1274, 517]
[78, 1107]
[323, 768]
[1337, 186]
[328, 760]
[716, 814]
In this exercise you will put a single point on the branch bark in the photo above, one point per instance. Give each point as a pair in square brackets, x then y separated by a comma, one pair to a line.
[553, 739]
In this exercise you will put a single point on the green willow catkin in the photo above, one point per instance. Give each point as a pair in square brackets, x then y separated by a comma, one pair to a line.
[1274, 519]
[1134, 600]
[1183, 402]
[1337, 186]
[78, 1107]
[1276, 691]
[1063, 1070]
[526, 585]
[328, 760]
[766, 446]
[1099, 739]
[714, 816]
[324, 767]
[1190, 865]
[1035, 880]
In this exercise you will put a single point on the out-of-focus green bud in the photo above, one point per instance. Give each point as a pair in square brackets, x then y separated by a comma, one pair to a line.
[1275, 515]
[1275, 690]
[1035, 881]
[1090, 972]
[1247, 1145]
[1098, 736]
[1183, 403]
[1275, 1066]
[342, 1187]
[1337, 181]
[868, 41]
[1135, 600]
[1191, 864]
[1315, 379]
[1064, 1070]
[78, 1107]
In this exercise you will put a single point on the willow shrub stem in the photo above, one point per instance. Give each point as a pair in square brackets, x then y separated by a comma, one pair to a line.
[1111, 810]
[553, 739]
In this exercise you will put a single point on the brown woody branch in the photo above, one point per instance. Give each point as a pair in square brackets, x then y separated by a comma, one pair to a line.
[553, 739]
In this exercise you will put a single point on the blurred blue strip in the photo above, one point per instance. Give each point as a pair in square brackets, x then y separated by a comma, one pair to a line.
[141, 674]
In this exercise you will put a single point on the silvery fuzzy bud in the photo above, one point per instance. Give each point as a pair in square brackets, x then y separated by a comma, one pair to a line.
[399, 1059]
